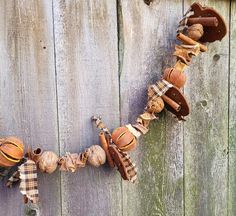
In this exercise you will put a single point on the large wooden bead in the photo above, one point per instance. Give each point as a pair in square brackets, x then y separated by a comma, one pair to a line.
[155, 105]
[96, 155]
[11, 151]
[124, 139]
[175, 77]
[195, 31]
[48, 162]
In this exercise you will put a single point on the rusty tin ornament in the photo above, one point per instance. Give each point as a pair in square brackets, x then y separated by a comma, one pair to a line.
[213, 32]
[175, 94]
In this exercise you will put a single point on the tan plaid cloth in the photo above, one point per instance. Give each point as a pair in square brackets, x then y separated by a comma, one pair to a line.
[183, 22]
[129, 165]
[29, 181]
[159, 88]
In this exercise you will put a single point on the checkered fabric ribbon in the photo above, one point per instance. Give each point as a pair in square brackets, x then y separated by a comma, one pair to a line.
[29, 181]
[159, 88]
[129, 165]
[183, 22]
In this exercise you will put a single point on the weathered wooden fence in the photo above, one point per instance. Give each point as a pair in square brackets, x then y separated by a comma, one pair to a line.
[61, 61]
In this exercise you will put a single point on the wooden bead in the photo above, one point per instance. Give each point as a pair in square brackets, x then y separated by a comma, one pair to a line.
[48, 162]
[11, 151]
[124, 139]
[96, 155]
[175, 77]
[195, 31]
[155, 105]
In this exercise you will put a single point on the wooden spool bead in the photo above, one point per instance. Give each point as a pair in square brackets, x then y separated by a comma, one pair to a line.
[124, 139]
[155, 105]
[175, 77]
[195, 31]
[11, 151]
[36, 154]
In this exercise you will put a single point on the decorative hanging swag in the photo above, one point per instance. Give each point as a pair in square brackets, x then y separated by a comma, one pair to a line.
[199, 25]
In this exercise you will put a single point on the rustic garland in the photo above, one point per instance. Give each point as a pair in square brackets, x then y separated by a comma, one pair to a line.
[199, 25]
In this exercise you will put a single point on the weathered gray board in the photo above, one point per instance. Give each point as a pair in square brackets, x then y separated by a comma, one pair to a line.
[63, 61]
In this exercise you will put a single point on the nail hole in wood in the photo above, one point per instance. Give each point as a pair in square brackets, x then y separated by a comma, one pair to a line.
[148, 2]
[216, 57]
[203, 103]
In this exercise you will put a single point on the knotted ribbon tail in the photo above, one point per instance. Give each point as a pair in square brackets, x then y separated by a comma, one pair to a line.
[32, 209]
[99, 124]
[14, 178]
[3, 172]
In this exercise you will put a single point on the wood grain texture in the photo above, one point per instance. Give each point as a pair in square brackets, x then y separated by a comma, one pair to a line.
[27, 92]
[147, 36]
[87, 81]
[232, 114]
[62, 61]
[206, 130]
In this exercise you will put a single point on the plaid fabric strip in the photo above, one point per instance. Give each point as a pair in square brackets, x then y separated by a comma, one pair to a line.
[160, 87]
[29, 182]
[183, 22]
[15, 177]
[129, 165]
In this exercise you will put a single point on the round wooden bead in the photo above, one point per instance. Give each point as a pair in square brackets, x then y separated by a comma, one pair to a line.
[48, 162]
[11, 151]
[124, 139]
[195, 31]
[175, 77]
[155, 105]
[96, 155]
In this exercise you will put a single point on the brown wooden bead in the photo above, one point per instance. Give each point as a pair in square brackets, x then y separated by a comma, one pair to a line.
[11, 151]
[124, 139]
[175, 77]
[195, 31]
[96, 155]
[48, 162]
[155, 105]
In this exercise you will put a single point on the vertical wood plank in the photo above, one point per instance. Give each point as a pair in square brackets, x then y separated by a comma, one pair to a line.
[232, 114]
[206, 131]
[28, 93]
[147, 35]
[87, 80]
